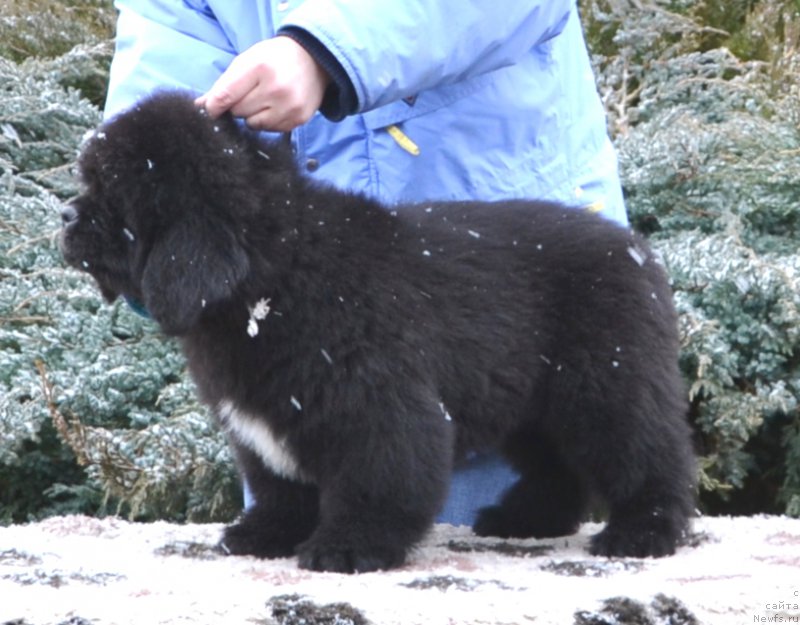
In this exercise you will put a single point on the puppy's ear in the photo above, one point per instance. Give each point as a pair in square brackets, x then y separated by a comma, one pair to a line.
[196, 264]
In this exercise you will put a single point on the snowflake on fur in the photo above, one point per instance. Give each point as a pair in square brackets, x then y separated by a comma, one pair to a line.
[258, 312]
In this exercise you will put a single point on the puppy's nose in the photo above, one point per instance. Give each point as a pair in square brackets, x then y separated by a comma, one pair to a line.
[68, 215]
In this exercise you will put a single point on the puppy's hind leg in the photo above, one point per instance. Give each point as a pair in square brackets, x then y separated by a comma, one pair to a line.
[643, 466]
[283, 515]
[548, 499]
[650, 492]
[650, 523]
[388, 482]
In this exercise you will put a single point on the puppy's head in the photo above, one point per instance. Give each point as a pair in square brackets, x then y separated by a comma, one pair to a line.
[163, 214]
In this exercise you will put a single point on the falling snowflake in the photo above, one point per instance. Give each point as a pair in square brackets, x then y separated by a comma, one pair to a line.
[638, 255]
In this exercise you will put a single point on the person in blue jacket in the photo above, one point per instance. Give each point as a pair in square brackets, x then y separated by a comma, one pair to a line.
[404, 101]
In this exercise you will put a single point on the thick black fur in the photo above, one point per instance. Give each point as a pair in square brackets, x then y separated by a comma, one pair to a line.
[396, 341]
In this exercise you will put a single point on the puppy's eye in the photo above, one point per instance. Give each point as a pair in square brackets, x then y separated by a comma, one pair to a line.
[129, 235]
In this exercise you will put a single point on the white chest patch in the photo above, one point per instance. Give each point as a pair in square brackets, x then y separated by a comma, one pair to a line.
[258, 436]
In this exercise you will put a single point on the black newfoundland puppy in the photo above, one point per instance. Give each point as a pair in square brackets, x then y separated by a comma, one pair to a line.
[354, 354]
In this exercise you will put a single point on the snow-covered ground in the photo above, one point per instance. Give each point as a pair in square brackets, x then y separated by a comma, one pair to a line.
[79, 570]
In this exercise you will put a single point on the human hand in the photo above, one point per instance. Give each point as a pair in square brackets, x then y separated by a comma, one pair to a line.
[274, 85]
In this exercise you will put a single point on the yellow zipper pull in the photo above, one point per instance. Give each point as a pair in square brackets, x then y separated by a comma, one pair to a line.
[403, 140]
[595, 207]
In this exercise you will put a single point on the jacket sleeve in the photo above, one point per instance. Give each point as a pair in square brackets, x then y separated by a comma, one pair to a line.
[164, 43]
[396, 48]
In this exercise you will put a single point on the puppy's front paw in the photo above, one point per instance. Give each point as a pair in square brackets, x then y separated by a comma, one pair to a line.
[248, 539]
[338, 557]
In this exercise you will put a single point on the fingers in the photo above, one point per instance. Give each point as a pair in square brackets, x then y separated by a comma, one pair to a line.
[227, 92]
[256, 115]
[275, 85]
[232, 92]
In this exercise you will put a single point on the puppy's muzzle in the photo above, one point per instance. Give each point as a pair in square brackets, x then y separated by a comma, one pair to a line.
[68, 215]
[69, 219]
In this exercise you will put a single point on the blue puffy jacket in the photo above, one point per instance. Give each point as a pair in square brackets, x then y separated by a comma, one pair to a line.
[455, 99]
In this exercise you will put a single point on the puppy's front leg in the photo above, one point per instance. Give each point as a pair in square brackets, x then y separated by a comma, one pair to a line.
[384, 495]
[284, 514]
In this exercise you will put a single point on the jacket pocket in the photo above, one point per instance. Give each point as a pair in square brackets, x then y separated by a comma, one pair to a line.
[423, 103]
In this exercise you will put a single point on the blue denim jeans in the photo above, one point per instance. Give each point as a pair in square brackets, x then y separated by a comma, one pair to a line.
[480, 482]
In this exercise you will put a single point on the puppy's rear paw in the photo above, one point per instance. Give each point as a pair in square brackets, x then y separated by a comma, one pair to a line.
[339, 557]
[492, 522]
[496, 521]
[635, 541]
